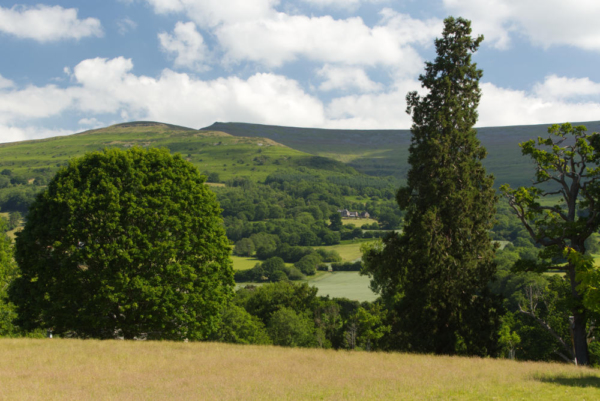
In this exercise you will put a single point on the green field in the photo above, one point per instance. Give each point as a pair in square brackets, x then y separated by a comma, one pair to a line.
[348, 251]
[58, 369]
[243, 263]
[349, 285]
[358, 222]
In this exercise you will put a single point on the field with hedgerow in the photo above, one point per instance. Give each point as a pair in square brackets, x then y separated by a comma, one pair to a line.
[76, 369]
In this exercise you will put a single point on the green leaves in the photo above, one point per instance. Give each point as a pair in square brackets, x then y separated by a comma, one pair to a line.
[568, 175]
[588, 277]
[124, 243]
[437, 271]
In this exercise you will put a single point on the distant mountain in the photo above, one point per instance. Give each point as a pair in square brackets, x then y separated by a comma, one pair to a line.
[385, 152]
[237, 149]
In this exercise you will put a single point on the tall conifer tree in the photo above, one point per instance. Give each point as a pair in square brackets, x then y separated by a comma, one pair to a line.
[435, 274]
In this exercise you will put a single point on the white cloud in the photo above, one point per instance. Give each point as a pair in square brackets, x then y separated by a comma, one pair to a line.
[126, 25]
[252, 30]
[372, 111]
[33, 102]
[286, 38]
[346, 78]
[187, 44]
[15, 134]
[90, 122]
[102, 86]
[500, 107]
[109, 87]
[547, 23]
[344, 4]
[47, 23]
[6, 83]
[555, 87]
[210, 13]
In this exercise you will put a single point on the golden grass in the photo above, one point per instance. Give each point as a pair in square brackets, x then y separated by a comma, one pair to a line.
[11, 233]
[76, 369]
[358, 222]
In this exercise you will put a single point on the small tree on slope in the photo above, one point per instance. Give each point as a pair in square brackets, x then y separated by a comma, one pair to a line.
[435, 274]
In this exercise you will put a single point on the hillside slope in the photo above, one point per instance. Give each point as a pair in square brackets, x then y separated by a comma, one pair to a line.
[385, 152]
[211, 151]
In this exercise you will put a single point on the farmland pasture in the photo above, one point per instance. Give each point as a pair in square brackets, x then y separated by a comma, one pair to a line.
[243, 263]
[358, 222]
[89, 369]
[349, 251]
[349, 285]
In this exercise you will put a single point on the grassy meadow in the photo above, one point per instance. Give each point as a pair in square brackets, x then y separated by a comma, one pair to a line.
[349, 251]
[358, 222]
[244, 263]
[90, 369]
[349, 285]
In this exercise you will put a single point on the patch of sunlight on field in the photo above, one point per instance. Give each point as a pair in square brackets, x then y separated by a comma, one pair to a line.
[91, 370]
[349, 285]
[554, 273]
[358, 222]
[348, 252]
[12, 233]
[243, 263]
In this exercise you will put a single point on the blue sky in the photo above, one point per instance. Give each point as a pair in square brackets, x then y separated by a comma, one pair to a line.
[69, 66]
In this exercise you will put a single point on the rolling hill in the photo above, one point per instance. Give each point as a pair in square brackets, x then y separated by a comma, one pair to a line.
[385, 152]
[211, 151]
[255, 151]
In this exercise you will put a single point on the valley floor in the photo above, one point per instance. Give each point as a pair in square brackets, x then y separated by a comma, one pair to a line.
[76, 369]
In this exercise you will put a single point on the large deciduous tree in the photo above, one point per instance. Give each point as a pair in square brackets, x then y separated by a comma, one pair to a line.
[567, 172]
[435, 274]
[124, 243]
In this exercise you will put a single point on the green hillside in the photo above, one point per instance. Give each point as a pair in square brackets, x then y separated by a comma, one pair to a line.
[385, 152]
[210, 151]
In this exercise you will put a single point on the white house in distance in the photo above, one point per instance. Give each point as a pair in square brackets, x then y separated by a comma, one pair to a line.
[356, 215]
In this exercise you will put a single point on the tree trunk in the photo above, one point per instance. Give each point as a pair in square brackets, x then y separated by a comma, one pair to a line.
[579, 322]
[580, 338]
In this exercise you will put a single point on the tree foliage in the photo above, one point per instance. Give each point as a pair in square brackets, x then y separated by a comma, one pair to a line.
[8, 272]
[290, 329]
[240, 327]
[124, 243]
[565, 169]
[437, 271]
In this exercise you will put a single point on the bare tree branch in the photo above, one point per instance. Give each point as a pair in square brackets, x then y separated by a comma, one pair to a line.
[549, 329]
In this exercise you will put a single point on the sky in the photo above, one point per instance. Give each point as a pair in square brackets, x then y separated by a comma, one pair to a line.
[68, 66]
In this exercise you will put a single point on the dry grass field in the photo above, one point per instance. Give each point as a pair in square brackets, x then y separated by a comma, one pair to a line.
[115, 370]
[358, 222]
